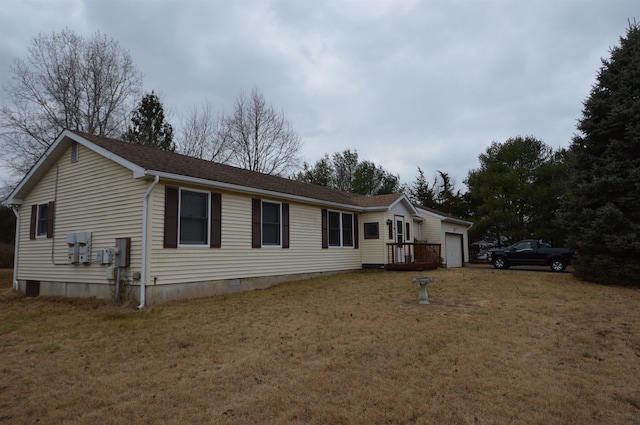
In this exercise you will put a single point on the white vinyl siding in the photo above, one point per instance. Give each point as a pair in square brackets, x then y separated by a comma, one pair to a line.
[94, 195]
[431, 229]
[236, 259]
[374, 250]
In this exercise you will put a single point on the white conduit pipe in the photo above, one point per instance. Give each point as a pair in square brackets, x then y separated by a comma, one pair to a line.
[143, 272]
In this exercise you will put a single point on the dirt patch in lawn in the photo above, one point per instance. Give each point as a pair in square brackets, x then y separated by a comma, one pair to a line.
[491, 347]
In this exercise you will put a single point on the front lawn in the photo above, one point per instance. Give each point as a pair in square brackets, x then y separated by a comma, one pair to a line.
[492, 347]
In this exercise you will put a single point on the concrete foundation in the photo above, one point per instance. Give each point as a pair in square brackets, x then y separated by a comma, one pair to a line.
[162, 293]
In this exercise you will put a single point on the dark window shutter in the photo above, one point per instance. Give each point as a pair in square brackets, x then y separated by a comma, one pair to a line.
[390, 229]
[256, 219]
[215, 239]
[34, 215]
[50, 217]
[355, 231]
[407, 235]
[285, 225]
[171, 195]
[325, 228]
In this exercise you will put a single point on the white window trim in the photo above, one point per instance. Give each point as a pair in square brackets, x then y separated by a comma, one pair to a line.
[208, 231]
[262, 244]
[41, 235]
[353, 236]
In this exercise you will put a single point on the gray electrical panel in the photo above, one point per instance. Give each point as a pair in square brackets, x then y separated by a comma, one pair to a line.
[79, 247]
[123, 252]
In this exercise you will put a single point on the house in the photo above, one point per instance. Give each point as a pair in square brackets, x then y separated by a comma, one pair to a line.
[98, 217]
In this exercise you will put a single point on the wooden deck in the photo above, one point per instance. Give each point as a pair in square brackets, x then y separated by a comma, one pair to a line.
[413, 256]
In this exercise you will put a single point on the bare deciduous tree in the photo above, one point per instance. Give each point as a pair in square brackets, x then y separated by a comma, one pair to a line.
[66, 81]
[261, 138]
[201, 135]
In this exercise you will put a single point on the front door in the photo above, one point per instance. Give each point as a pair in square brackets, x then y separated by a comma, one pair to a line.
[400, 239]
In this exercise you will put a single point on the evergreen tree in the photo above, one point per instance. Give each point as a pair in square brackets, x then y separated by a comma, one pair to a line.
[321, 173]
[447, 201]
[149, 126]
[602, 210]
[422, 193]
[440, 195]
[371, 179]
[514, 189]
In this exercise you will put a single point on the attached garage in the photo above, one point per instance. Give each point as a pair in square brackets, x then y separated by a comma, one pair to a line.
[448, 231]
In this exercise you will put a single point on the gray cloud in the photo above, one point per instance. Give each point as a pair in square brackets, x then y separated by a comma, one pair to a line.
[406, 83]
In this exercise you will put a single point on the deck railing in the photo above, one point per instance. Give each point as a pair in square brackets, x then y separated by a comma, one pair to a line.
[413, 256]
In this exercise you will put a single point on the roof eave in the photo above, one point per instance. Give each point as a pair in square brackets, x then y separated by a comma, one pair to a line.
[456, 221]
[445, 218]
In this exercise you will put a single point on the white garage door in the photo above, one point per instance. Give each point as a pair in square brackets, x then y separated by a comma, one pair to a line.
[454, 250]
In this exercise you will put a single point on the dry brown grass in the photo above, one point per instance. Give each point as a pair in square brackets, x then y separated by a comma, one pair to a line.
[493, 347]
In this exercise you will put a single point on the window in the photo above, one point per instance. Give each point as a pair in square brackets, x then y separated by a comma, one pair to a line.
[340, 229]
[194, 218]
[334, 228]
[371, 231]
[270, 223]
[42, 220]
[347, 229]
[523, 246]
[41, 223]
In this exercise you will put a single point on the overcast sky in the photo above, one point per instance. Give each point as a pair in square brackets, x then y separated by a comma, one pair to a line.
[407, 84]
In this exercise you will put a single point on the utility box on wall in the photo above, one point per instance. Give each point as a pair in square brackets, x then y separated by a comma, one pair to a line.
[123, 252]
[79, 247]
[105, 256]
[83, 240]
[73, 249]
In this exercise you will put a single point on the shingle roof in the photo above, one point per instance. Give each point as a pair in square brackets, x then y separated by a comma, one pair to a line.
[447, 217]
[376, 201]
[172, 163]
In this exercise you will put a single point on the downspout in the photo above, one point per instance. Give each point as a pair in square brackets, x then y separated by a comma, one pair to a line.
[469, 259]
[16, 286]
[143, 272]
